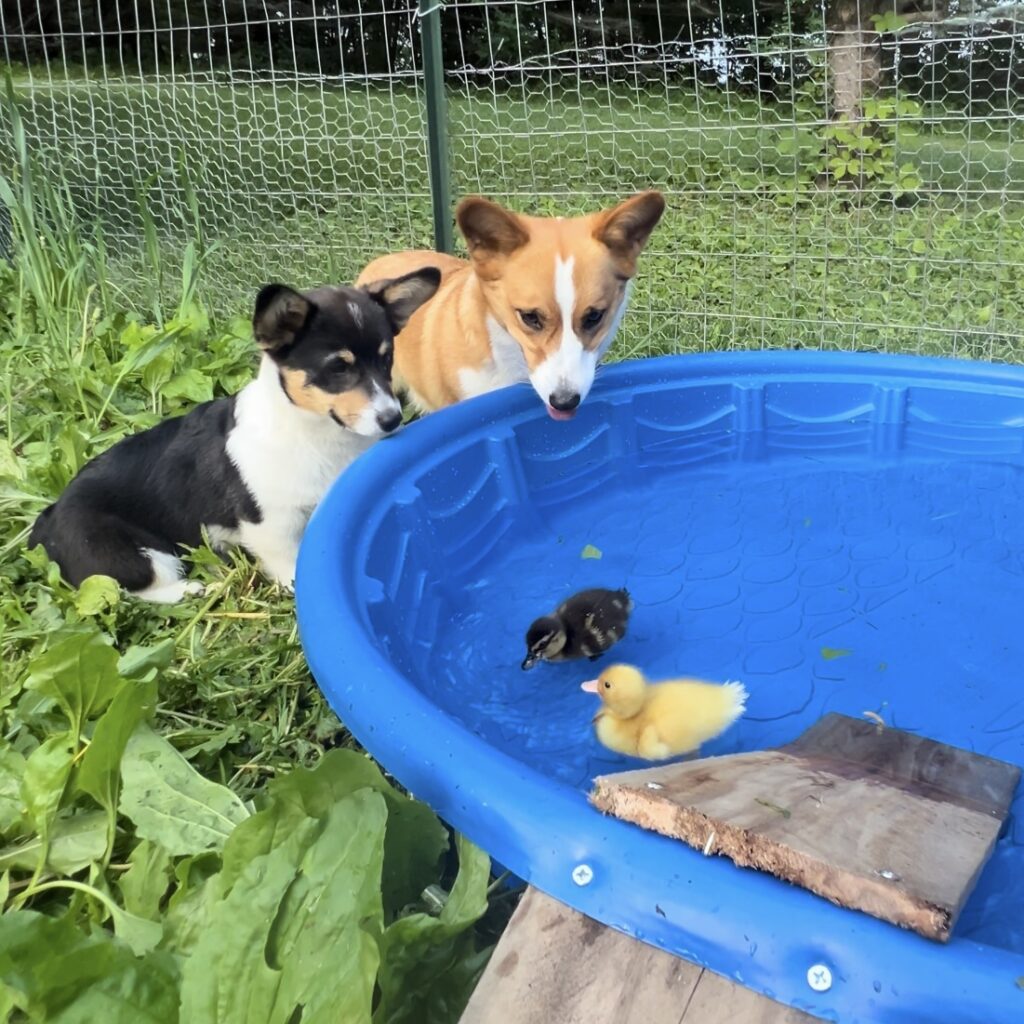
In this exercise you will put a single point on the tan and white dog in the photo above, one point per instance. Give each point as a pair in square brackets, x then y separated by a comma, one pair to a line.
[539, 300]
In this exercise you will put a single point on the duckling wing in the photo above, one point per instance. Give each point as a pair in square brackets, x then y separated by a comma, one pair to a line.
[581, 602]
[691, 712]
[652, 747]
[617, 734]
[611, 615]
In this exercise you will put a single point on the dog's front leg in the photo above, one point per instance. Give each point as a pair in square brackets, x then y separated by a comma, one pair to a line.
[276, 546]
[281, 569]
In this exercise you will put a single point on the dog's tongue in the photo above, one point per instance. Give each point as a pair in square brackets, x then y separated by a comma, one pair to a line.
[557, 414]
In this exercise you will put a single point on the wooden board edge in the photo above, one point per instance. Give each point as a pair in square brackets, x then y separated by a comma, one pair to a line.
[876, 896]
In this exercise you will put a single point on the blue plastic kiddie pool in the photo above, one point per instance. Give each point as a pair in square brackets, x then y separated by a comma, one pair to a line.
[840, 532]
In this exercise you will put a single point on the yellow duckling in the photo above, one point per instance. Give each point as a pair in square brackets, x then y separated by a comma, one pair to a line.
[660, 720]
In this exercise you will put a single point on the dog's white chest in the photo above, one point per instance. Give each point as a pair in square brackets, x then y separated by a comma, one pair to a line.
[287, 457]
[506, 366]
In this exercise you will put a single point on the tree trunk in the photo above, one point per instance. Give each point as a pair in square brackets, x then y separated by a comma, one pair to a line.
[854, 56]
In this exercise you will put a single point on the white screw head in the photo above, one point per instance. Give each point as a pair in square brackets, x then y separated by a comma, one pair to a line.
[819, 977]
[583, 874]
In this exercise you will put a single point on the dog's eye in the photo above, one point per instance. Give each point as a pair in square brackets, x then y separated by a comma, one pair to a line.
[531, 318]
[340, 365]
[592, 318]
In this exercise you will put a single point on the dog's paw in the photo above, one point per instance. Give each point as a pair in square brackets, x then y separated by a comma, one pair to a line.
[172, 593]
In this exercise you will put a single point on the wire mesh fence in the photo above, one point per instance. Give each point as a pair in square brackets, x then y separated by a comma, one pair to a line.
[840, 175]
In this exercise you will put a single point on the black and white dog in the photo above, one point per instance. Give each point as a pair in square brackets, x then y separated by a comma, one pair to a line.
[250, 468]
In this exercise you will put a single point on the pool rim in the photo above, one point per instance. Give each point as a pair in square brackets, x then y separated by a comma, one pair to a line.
[768, 934]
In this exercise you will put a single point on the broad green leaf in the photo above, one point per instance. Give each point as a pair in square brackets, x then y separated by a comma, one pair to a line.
[333, 920]
[429, 965]
[10, 466]
[75, 843]
[7, 1003]
[97, 594]
[144, 883]
[413, 845]
[170, 802]
[12, 806]
[297, 928]
[46, 777]
[191, 384]
[99, 773]
[139, 662]
[590, 552]
[139, 933]
[197, 890]
[80, 672]
[228, 959]
[63, 976]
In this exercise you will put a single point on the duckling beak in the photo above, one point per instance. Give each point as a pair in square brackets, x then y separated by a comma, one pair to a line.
[529, 661]
[590, 686]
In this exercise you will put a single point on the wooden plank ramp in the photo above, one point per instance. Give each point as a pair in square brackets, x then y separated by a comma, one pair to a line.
[875, 819]
[554, 965]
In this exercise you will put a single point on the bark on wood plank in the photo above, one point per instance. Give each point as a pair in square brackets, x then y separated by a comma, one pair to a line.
[877, 820]
[554, 965]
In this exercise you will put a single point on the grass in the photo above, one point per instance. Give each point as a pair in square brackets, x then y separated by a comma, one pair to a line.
[145, 217]
[306, 182]
[150, 869]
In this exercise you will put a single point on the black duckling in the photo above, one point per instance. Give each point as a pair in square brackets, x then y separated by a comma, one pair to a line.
[584, 626]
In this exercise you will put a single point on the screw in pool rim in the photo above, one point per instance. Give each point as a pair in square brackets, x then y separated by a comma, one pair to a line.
[583, 874]
[819, 977]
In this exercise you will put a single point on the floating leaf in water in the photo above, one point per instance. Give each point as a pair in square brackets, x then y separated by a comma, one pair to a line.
[590, 552]
[831, 653]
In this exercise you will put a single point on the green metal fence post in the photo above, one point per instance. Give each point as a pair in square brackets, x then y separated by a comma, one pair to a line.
[437, 124]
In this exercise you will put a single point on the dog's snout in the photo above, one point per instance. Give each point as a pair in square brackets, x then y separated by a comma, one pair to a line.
[388, 421]
[564, 401]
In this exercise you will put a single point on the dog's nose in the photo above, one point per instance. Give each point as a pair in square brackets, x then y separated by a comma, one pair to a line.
[564, 401]
[387, 421]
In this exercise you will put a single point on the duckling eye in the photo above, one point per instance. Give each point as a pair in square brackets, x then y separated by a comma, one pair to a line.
[607, 685]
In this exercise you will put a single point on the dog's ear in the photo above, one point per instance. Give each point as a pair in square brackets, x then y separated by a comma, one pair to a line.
[402, 296]
[625, 228]
[489, 229]
[280, 314]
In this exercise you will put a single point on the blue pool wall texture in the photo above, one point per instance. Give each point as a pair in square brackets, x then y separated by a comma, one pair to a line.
[370, 553]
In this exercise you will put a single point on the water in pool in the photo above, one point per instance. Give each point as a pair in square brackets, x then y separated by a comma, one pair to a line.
[892, 589]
